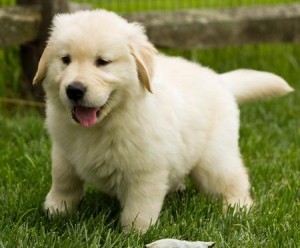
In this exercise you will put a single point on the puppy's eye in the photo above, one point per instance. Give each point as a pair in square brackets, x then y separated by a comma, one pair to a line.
[66, 59]
[101, 62]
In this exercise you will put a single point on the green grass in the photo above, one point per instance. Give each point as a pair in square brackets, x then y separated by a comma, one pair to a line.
[270, 144]
[150, 5]
[137, 5]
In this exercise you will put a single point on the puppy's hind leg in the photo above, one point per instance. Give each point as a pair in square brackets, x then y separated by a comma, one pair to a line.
[67, 188]
[221, 172]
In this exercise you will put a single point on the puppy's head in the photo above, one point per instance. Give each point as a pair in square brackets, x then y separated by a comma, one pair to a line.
[93, 60]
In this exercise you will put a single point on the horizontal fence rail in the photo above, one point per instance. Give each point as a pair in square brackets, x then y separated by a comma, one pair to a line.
[189, 29]
[19, 25]
[186, 29]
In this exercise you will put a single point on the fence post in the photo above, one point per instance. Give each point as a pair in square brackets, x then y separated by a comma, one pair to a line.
[49, 9]
[30, 52]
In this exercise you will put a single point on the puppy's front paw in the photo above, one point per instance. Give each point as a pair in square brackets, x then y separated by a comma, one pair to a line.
[58, 204]
[180, 187]
[137, 224]
[238, 204]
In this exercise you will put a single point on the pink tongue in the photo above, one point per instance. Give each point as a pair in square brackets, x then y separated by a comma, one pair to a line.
[86, 116]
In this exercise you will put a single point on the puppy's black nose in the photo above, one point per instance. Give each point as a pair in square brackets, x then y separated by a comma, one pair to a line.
[75, 91]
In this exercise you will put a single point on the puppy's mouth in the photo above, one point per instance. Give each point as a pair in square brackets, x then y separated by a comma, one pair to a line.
[86, 116]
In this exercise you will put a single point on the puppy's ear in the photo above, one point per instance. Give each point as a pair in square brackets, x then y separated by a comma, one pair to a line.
[143, 52]
[42, 67]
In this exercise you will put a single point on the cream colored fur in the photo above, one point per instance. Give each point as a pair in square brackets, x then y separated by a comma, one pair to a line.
[143, 144]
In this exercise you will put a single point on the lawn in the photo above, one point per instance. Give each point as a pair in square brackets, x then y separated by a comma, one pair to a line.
[270, 144]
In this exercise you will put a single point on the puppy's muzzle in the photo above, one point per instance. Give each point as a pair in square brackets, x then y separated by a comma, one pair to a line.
[76, 91]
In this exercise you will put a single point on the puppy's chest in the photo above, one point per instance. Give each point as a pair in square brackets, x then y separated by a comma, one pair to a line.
[102, 161]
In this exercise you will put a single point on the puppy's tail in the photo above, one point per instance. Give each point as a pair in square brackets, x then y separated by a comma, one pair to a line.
[251, 85]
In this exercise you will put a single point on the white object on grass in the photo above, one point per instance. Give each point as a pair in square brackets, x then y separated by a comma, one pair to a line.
[175, 243]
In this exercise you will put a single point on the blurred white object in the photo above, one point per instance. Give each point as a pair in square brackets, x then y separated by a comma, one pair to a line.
[175, 243]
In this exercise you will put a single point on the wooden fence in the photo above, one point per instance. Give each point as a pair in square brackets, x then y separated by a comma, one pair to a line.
[27, 25]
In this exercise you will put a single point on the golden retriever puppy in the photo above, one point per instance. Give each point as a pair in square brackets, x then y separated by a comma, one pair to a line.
[134, 123]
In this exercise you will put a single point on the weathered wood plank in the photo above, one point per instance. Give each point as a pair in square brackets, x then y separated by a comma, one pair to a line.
[221, 27]
[184, 29]
[19, 25]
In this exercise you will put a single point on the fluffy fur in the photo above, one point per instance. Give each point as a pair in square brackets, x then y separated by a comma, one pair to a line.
[159, 118]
